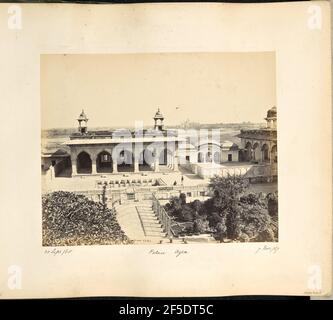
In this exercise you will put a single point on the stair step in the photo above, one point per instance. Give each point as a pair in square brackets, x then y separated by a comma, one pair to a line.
[150, 223]
[150, 220]
[148, 216]
[162, 235]
[154, 221]
[152, 227]
[154, 231]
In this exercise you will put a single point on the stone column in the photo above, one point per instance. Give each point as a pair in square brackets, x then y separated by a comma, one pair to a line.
[156, 161]
[175, 163]
[52, 172]
[114, 165]
[93, 165]
[74, 170]
[269, 153]
[170, 161]
[136, 162]
[175, 159]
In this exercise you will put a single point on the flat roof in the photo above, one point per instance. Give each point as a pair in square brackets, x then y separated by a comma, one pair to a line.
[122, 140]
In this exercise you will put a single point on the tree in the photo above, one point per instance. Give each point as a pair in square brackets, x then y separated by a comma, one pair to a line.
[272, 204]
[187, 213]
[182, 198]
[181, 210]
[239, 215]
[200, 225]
[104, 197]
[254, 217]
[174, 207]
[232, 212]
[227, 189]
[70, 219]
[221, 230]
[197, 207]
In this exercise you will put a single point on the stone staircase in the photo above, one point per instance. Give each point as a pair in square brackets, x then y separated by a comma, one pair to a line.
[139, 222]
[150, 223]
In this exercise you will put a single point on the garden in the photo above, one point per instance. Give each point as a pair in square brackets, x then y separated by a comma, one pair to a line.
[231, 214]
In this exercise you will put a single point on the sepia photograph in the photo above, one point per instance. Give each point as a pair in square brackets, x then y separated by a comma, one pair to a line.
[159, 148]
[166, 150]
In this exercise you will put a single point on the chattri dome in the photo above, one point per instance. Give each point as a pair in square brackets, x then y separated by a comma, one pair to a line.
[271, 113]
[158, 114]
[82, 116]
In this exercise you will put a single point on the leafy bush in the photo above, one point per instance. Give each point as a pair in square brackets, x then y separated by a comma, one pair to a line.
[70, 219]
[200, 225]
[231, 212]
[272, 204]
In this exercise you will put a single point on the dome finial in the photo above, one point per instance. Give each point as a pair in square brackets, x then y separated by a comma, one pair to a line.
[158, 118]
[82, 119]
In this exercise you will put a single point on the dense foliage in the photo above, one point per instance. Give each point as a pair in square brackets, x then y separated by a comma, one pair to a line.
[70, 219]
[231, 213]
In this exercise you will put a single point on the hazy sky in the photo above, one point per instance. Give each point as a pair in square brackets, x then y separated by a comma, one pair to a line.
[119, 89]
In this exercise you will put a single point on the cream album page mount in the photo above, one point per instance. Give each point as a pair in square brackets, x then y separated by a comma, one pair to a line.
[165, 150]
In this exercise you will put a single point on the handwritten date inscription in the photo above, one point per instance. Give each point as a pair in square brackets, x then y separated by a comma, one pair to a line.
[268, 249]
[57, 252]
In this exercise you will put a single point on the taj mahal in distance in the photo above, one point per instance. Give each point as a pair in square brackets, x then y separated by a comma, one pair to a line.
[136, 172]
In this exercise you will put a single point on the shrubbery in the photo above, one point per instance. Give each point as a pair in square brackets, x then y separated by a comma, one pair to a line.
[231, 213]
[70, 219]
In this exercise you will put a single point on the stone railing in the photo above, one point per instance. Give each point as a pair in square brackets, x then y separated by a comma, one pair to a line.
[245, 170]
[266, 133]
[118, 133]
[118, 196]
[162, 216]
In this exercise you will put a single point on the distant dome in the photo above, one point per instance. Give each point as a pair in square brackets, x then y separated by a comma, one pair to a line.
[271, 113]
[158, 114]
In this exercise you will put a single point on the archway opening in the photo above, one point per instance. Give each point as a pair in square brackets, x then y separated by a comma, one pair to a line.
[200, 157]
[265, 153]
[274, 157]
[104, 162]
[146, 160]
[84, 164]
[166, 158]
[248, 151]
[126, 161]
[217, 157]
[256, 152]
[209, 157]
[63, 168]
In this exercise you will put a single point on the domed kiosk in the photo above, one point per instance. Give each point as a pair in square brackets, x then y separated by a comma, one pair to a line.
[271, 118]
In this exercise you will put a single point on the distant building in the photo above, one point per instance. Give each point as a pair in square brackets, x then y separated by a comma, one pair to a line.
[89, 152]
[260, 145]
[94, 152]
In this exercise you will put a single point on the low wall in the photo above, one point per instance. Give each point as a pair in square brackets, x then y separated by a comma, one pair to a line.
[115, 196]
[247, 171]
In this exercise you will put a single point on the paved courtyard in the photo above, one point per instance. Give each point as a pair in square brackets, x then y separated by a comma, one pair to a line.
[88, 182]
